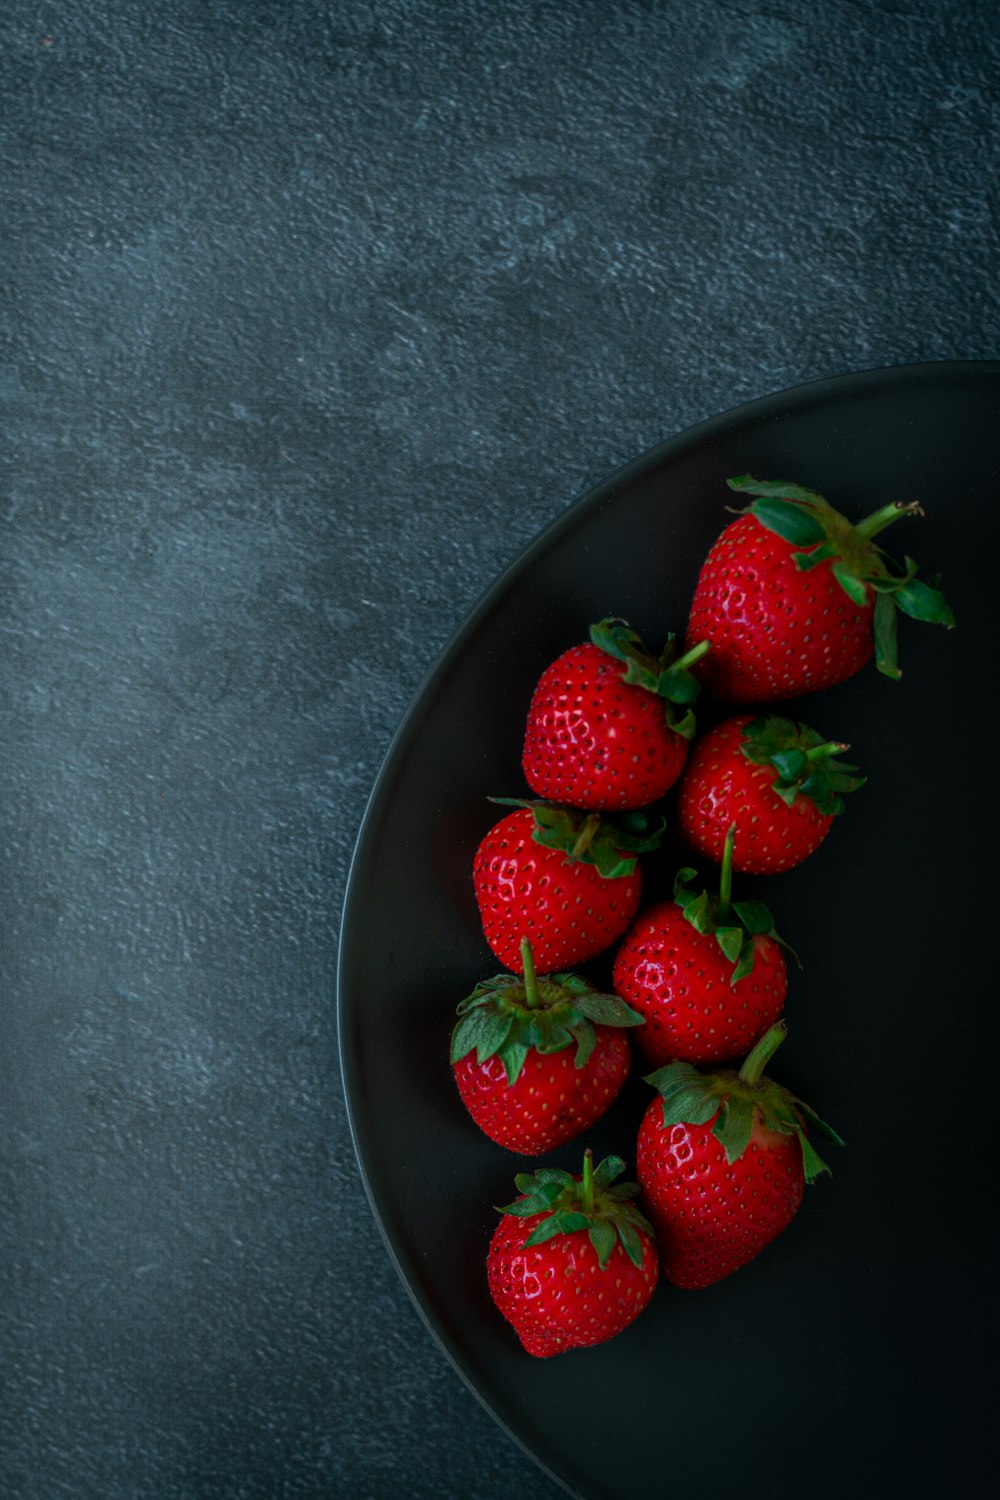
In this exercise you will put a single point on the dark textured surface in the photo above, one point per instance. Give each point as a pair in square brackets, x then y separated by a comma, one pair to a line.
[311, 316]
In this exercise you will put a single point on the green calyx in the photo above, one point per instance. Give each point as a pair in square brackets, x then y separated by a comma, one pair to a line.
[607, 841]
[863, 570]
[589, 1202]
[737, 1099]
[666, 675]
[507, 1017]
[733, 924]
[804, 764]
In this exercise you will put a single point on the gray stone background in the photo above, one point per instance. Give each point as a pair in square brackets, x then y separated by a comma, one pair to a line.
[311, 315]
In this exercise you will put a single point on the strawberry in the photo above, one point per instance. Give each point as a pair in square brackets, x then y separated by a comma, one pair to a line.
[566, 880]
[778, 783]
[723, 1159]
[707, 972]
[573, 1261]
[794, 598]
[609, 724]
[537, 1061]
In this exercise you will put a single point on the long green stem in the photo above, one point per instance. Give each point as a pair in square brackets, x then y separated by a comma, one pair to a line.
[820, 752]
[531, 993]
[880, 519]
[726, 877]
[587, 1183]
[690, 657]
[586, 836]
[757, 1060]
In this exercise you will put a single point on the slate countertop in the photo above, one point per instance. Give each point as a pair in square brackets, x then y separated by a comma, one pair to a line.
[311, 315]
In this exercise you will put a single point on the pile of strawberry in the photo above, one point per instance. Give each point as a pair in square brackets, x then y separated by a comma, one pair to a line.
[792, 599]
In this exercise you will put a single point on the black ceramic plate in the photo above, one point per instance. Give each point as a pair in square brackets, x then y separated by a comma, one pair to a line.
[847, 1357]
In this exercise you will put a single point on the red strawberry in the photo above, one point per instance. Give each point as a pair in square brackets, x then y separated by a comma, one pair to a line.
[573, 1261]
[723, 1159]
[793, 598]
[609, 724]
[567, 881]
[777, 782]
[537, 1061]
[707, 972]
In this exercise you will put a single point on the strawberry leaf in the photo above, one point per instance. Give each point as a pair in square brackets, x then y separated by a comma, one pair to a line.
[624, 1190]
[922, 602]
[755, 917]
[812, 1163]
[607, 1010]
[555, 1036]
[585, 1037]
[776, 489]
[806, 561]
[678, 684]
[852, 585]
[606, 1172]
[523, 1208]
[744, 964]
[885, 636]
[731, 940]
[609, 861]
[790, 520]
[561, 1222]
[698, 911]
[791, 764]
[734, 1126]
[548, 1175]
[602, 1237]
[815, 1123]
[569, 1220]
[689, 1096]
[512, 1055]
[482, 1031]
[631, 1243]
[616, 638]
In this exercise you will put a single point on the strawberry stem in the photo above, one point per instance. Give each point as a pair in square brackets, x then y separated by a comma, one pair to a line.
[690, 657]
[820, 752]
[531, 993]
[726, 877]
[586, 838]
[757, 1060]
[587, 1183]
[880, 519]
